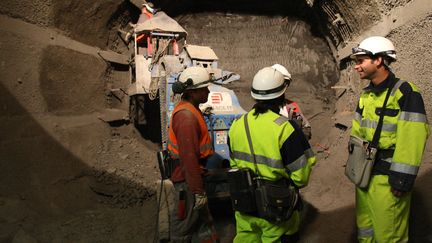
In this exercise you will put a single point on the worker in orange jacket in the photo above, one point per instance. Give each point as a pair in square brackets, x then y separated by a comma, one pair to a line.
[190, 144]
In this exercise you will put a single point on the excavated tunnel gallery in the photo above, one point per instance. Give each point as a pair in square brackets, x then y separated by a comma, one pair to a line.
[74, 167]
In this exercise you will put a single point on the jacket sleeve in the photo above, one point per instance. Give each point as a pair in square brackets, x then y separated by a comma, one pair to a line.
[233, 164]
[298, 157]
[411, 135]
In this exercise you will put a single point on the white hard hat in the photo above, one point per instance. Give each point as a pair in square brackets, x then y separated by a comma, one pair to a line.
[192, 78]
[149, 6]
[267, 84]
[282, 70]
[375, 45]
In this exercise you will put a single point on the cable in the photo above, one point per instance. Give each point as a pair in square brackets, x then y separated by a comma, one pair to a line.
[159, 200]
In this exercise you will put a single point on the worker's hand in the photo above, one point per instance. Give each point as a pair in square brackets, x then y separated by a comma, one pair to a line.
[200, 201]
[397, 193]
[307, 132]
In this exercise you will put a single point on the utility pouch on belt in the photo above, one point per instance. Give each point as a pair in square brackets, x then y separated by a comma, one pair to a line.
[360, 162]
[242, 190]
[362, 154]
[166, 164]
[276, 201]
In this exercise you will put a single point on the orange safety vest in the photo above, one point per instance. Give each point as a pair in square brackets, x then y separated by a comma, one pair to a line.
[206, 148]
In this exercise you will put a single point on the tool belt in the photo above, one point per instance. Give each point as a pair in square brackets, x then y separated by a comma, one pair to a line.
[382, 167]
[242, 190]
[274, 201]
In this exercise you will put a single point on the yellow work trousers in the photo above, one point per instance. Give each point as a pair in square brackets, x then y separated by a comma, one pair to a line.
[253, 229]
[381, 217]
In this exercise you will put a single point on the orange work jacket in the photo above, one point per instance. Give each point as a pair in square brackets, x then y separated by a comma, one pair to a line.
[206, 148]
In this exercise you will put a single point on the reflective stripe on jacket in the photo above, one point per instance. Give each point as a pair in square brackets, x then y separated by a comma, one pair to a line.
[405, 128]
[281, 151]
[206, 148]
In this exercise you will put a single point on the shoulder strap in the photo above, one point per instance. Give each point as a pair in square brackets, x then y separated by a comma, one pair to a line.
[377, 134]
[246, 124]
[253, 153]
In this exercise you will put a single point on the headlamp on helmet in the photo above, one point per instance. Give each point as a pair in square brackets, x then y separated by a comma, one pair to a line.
[192, 78]
[375, 46]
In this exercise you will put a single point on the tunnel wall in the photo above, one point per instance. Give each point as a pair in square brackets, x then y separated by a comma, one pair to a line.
[274, 39]
[407, 24]
[87, 21]
[415, 57]
[343, 20]
[35, 12]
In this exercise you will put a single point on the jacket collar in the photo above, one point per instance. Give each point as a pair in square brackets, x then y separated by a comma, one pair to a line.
[391, 78]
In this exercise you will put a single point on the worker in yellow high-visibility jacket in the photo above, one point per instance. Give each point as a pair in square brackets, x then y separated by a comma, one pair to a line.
[383, 207]
[280, 153]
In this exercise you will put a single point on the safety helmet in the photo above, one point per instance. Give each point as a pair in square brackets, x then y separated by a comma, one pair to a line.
[282, 70]
[267, 84]
[149, 6]
[375, 45]
[192, 78]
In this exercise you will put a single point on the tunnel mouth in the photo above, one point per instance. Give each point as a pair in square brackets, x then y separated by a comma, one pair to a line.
[247, 36]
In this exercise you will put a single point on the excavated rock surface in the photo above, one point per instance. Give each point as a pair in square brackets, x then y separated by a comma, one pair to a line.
[67, 175]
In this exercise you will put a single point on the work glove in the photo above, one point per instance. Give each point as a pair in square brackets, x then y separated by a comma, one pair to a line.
[200, 201]
[397, 193]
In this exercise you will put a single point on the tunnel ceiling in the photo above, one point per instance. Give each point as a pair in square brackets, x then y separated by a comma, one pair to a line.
[338, 20]
[294, 8]
[92, 21]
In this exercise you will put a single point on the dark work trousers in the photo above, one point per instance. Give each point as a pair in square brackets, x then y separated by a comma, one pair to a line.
[187, 224]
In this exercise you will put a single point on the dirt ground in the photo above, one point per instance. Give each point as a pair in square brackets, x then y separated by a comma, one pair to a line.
[66, 175]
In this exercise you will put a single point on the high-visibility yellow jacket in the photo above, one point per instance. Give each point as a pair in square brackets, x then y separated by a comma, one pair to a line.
[405, 128]
[281, 150]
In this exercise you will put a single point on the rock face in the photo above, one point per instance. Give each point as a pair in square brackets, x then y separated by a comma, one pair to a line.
[68, 175]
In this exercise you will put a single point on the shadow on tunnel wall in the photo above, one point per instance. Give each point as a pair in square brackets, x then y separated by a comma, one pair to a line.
[151, 130]
[46, 191]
